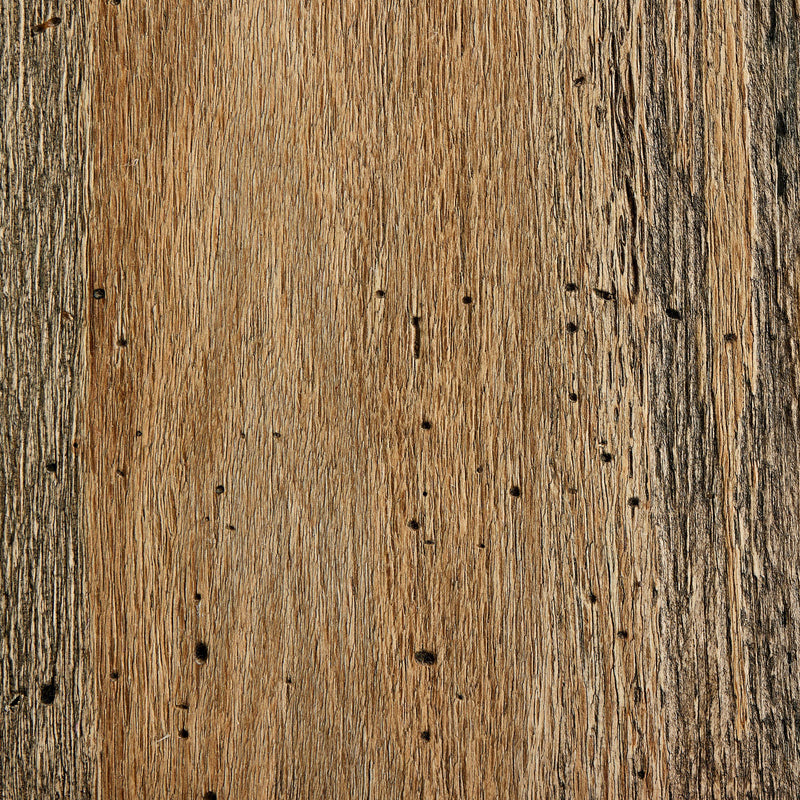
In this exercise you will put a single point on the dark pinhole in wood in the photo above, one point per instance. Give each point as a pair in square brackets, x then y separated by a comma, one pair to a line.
[198, 597]
[114, 675]
[230, 528]
[182, 706]
[482, 545]
[479, 470]
[424, 494]
[592, 597]
[570, 287]
[429, 541]
[122, 341]
[640, 774]
[426, 425]
[459, 696]
[380, 293]
[51, 466]
[633, 502]
[579, 81]
[413, 524]
[573, 397]
[515, 491]
[99, 294]
[572, 327]
[288, 680]
[183, 733]
[47, 693]
[603, 294]
[730, 337]
[622, 634]
[201, 652]
[783, 180]
[780, 125]
[466, 300]
[673, 313]
[120, 473]
[276, 434]
[426, 736]
[210, 796]
[417, 338]
[138, 434]
[426, 657]
[637, 694]
[220, 489]
[606, 458]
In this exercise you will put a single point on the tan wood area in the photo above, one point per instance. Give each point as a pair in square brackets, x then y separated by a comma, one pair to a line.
[400, 400]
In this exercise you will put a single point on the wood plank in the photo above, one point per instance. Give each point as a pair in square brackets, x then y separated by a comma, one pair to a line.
[441, 414]
[47, 715]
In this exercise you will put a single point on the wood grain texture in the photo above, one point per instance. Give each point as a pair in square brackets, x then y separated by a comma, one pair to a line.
[46, 709]
[441, 413]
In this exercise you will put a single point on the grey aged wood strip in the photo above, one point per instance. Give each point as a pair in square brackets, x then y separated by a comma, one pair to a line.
[46, 716]
[769, 489]
[722, 120]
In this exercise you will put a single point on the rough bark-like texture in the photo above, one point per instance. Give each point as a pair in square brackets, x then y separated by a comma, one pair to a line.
[46, 712]
[441, 424]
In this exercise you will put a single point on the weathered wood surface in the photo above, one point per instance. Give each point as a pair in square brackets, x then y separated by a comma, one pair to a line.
[466, 331]
[46, 710]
